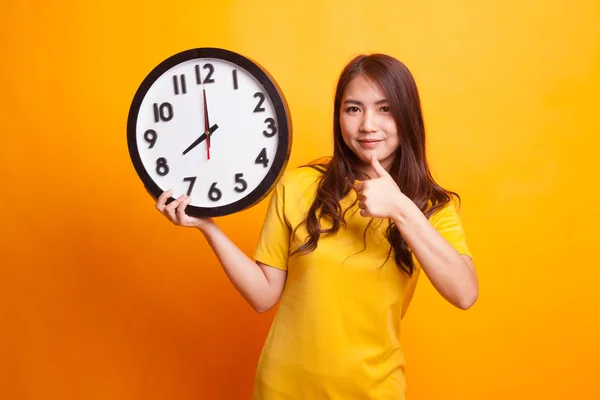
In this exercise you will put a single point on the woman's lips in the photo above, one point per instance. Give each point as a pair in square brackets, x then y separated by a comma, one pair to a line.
[369, 143]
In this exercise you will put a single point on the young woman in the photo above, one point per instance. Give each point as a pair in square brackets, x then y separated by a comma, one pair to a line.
[343, 244]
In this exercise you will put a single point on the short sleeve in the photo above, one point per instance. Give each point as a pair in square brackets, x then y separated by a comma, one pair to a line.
[274, 240]
[447, 222]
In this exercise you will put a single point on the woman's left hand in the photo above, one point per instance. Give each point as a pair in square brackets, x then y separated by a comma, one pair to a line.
[380, 197]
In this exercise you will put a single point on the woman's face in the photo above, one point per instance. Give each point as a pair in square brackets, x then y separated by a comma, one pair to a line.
[367, 124]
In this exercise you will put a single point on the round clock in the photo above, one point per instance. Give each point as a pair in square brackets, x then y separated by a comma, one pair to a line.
[211, 124]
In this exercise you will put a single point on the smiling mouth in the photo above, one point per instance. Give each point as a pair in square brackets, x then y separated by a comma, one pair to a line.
[369, 141]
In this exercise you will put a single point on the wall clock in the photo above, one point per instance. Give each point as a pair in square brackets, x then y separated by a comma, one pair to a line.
[212, 124]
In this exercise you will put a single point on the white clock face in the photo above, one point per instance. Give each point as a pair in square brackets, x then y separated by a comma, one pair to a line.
[215, 170]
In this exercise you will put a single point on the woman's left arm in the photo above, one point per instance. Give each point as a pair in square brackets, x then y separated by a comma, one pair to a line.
[451, 273]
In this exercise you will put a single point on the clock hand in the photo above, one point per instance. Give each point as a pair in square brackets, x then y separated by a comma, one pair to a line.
[206, 124]
[206, 135]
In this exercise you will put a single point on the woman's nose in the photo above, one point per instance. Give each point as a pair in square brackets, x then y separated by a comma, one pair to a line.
[368, 123]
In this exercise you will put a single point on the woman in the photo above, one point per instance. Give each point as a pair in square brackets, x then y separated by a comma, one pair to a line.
[343, 244]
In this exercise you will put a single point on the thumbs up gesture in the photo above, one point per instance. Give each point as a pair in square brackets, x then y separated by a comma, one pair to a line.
[379, 197]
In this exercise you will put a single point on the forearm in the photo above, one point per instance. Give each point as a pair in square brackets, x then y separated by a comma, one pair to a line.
[452, 276]
[247, 276]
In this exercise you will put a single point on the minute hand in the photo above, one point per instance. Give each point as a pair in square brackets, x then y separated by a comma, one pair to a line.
[201, 138]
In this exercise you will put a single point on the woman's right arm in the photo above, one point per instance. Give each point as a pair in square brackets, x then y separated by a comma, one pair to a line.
[260, 284]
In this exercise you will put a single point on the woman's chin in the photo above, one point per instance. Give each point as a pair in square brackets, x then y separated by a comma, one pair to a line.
[365, 155]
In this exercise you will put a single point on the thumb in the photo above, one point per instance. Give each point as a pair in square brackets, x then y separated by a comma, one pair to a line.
[377, 167]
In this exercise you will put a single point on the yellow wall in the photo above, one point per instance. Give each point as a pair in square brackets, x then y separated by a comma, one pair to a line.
[102, 298]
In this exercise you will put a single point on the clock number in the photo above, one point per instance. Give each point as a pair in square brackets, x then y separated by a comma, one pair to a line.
[208, 78]
[161, 166]
[235, 82]
[259, 107]
[150, 137]
[176, 84]
[262, 158]
[211, 70]
[214, 194]
[164, 112]
[242, 182]
[271, 126]
[191, 180]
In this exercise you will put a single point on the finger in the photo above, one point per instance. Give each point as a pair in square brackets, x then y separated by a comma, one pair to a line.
[170, 209]
[377, 167]
[360, 186]
[173, 205]
[181, 215]
[162, 199]
[365, 213]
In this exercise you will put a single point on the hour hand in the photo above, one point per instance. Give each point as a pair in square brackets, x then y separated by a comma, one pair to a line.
[201, 138]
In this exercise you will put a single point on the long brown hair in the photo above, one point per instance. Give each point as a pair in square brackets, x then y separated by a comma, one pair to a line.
[409, 169]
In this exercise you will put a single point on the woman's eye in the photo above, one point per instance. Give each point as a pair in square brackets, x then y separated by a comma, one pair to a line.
[352, 109]
[385, 109]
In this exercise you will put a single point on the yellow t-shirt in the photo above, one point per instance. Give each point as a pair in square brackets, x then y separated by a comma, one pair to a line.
[336, 332]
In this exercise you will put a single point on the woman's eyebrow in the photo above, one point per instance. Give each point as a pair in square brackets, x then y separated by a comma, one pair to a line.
[360, 103]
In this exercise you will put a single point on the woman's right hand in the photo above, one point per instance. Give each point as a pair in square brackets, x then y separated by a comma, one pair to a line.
[175, 211]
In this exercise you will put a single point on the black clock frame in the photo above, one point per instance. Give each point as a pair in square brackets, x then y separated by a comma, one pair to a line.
[280, 106]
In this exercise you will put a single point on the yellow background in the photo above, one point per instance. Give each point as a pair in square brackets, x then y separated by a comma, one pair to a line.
[102, 298]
